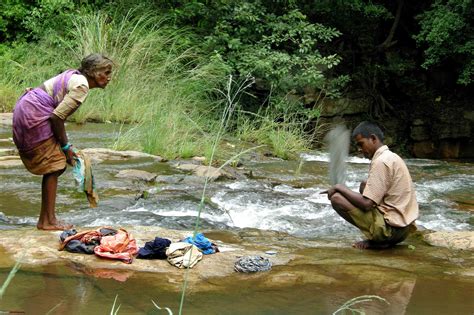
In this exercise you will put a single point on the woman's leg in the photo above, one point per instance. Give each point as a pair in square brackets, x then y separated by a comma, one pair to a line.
[47, 219]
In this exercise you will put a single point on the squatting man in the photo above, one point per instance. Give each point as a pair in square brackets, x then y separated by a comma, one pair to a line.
[385, 207]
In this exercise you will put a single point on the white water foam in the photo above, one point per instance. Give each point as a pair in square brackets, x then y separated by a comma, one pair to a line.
[324, 157]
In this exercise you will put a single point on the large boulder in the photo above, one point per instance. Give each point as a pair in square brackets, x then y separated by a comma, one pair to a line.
[462, 240]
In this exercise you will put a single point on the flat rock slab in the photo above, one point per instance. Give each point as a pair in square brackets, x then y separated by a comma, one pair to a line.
[203, 171]
[137, 175]
[463, 240]
[42, 249]
[99, 155]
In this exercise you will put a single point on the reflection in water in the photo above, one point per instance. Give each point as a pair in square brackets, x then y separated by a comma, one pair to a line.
[319, 290]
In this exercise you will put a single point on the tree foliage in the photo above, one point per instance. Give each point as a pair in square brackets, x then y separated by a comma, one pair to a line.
[275, 42]
[400, 54]
[447, 36]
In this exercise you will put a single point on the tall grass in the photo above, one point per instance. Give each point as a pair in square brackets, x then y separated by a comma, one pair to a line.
[9, 278]
[160, 82]
[284, 135]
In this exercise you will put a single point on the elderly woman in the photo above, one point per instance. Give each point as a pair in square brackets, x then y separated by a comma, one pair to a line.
[38, 127]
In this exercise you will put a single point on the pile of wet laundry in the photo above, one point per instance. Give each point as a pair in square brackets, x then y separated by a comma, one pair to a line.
[118, 244]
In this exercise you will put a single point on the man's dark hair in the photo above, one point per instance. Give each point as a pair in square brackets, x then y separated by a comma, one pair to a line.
[367, 128]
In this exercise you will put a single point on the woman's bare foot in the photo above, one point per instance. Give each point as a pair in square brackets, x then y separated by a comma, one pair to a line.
[366, 244]
[58, 226]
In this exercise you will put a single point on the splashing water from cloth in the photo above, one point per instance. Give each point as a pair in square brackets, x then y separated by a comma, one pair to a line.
[338, 144]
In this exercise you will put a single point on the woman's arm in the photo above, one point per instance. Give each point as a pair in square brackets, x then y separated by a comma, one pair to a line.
[59, 132]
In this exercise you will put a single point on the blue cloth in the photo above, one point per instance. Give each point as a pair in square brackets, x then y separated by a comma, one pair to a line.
[201, 242]
[154, 249]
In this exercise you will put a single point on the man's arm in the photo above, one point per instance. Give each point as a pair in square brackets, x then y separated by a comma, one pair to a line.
[362, 186]
[357, 199]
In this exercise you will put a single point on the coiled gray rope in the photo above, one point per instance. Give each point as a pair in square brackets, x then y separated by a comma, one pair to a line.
[252, 264]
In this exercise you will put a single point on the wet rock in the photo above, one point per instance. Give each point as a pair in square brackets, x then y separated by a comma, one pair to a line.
[203, 171]
[199, 158]
[6, 119]
[463, 240]
[99, 155]
[344, 106]
[420, 132]
[10, 161]
[137, 175]
[6, 141]
[8, 151]
[298, 261]
[423, 149]
[42, 249]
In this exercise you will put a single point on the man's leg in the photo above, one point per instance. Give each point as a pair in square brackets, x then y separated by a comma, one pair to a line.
[47, 219]
[342, 207]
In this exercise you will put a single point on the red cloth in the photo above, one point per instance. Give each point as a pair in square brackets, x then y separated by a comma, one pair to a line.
[84, 237]
[121, 246]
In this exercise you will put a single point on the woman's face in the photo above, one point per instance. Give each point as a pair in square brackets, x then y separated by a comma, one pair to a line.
[103, 76]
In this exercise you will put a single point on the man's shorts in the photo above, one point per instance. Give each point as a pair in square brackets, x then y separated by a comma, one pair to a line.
[372, 224]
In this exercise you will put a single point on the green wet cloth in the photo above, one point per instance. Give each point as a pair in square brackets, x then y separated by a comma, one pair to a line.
[83, 174]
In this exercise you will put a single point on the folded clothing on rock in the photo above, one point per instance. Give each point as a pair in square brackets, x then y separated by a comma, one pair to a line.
[155, 249]
[183, 255]
[201, 242]
[104, 242]
[83, 242]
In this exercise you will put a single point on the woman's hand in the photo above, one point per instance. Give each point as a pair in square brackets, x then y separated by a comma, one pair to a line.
[70, 155]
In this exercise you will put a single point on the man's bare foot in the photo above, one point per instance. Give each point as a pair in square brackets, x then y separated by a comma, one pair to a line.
[366, 244]
[59, 226]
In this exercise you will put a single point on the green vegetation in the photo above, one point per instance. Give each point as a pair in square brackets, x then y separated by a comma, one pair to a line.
[446, 31]
[348, 306]
[173, 57]
[9, 278]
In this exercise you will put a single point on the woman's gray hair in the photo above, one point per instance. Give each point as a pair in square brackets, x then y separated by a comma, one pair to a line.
[93, 63]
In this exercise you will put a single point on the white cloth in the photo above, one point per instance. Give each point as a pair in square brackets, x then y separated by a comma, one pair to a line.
[183, 255]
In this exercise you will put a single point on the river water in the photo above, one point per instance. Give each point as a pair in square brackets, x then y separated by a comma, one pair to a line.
[280, 195]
